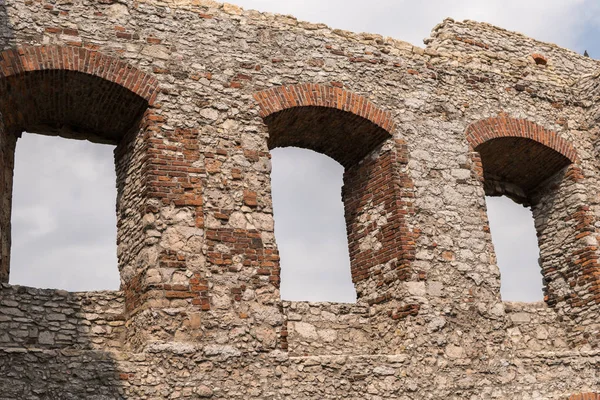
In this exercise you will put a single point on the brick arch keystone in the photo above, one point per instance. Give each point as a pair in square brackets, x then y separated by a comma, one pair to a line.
[504, 126]
[52, 57]
[317, 95]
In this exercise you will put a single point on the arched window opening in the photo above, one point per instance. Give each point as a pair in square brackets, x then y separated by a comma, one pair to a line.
[354, 132]
[73, 93]
[534, 167]
[516, 247]
[310, 227]
[63, 215]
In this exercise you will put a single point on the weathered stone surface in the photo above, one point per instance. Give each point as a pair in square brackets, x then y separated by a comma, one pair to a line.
[194, 94]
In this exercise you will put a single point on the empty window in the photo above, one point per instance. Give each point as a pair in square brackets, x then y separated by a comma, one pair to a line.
[63, 214]
[533, 167]
[356, 134]
[516, 246]
[309, 226]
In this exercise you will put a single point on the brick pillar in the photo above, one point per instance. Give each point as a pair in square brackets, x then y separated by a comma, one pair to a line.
[377, 196]
[7, 159]
[160, 236]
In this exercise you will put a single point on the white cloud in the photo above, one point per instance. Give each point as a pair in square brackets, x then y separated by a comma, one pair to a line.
[38, 220]
[63, 217]
[309, 226]
[516, 247]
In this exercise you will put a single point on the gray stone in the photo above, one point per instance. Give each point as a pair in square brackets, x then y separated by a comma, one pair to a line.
[46, 338]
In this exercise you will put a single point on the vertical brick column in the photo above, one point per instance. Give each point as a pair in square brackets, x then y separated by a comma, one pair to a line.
[174, 185]
[7, 155]
[160, 207]
[377, 196]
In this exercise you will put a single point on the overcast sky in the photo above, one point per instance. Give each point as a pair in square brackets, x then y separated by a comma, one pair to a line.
[64, 192]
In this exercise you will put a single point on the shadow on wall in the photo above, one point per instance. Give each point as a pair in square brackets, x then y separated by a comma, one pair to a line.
[56, 344]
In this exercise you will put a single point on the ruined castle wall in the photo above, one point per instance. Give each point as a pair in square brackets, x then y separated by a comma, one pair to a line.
[203, 317]
[503, 51]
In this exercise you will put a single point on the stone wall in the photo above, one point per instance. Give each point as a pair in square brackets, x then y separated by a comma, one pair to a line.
[327, 329]
[195, 94]
[55, 319]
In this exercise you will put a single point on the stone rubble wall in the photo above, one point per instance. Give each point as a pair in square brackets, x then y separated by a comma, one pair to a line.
[328, 354]
[56, 319]
[219, 372]
[200, 313]
[501, 51]
[327, 329]
[535, 327]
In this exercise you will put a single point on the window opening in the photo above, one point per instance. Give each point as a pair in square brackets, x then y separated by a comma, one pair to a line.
[354, 132]
[309, 226]
[63, 215]
[517, 250]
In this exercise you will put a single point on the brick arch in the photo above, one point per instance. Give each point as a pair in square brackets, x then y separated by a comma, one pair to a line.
[72, 92]
[504, 127]
[51, 57]
[517, 155]
[329, 120]
[313, 94]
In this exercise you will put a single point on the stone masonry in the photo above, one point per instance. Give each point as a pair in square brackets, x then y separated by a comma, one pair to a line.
[194, 94]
